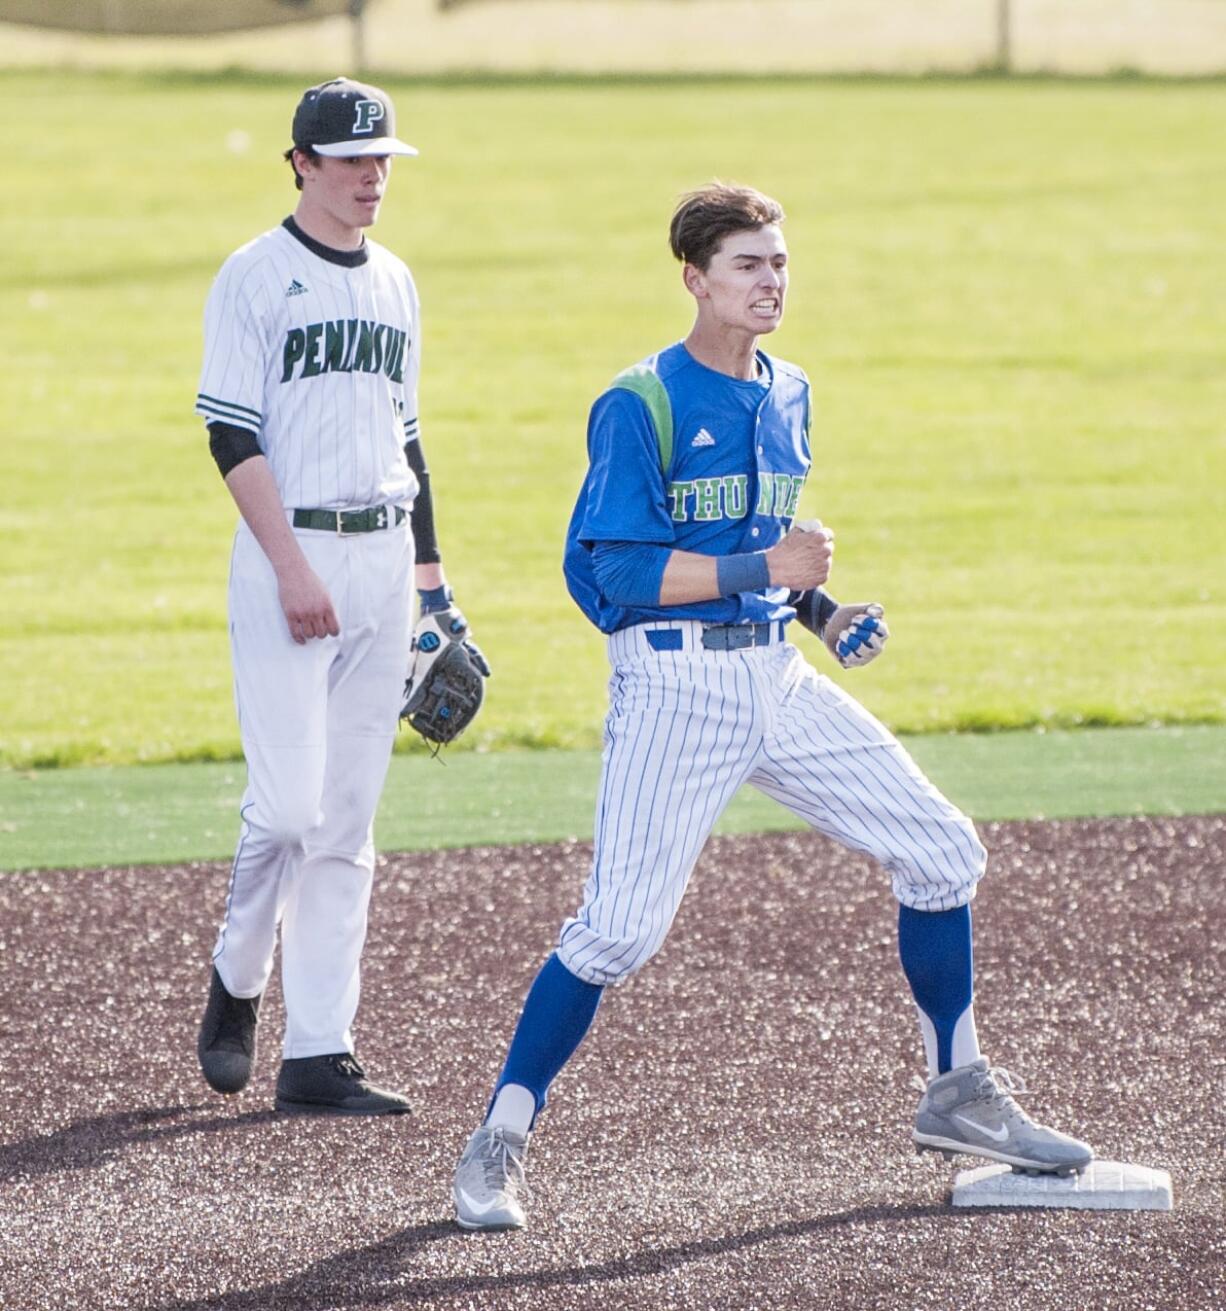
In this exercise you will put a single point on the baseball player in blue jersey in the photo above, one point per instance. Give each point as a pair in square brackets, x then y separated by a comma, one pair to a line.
[683, 549]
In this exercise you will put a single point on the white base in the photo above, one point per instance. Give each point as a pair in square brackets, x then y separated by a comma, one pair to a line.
[1102, 1186]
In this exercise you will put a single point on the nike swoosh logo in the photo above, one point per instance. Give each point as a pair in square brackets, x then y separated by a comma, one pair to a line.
[476, 1208]
[996, 1135]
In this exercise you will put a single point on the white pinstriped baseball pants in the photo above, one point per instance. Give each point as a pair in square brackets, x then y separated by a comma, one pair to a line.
[685, 730]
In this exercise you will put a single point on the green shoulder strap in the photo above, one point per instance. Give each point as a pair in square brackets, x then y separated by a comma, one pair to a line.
[644, 382]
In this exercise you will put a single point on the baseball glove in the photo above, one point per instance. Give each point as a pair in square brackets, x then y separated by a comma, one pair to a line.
[446, 683]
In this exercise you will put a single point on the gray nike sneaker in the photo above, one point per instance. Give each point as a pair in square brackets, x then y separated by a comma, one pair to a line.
[971, 1110]
[489, 1180]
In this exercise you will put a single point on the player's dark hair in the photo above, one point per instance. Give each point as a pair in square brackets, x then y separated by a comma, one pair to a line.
[703, 218]
[309, 152]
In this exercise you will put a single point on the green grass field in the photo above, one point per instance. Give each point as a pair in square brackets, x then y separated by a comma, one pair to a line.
[1011, 298]
[154, 814]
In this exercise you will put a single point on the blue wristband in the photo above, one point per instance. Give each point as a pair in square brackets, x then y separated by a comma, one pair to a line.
[742, 573]
[434, 599]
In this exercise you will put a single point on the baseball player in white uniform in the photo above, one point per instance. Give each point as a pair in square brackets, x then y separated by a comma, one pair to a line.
[309, 391]
[683, 549]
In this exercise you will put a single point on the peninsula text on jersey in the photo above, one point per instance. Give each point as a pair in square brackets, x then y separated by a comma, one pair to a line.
[349, 346]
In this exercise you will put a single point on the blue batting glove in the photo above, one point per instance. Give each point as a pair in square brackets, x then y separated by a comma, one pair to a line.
[855, 634]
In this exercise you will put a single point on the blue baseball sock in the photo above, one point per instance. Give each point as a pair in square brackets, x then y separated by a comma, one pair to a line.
[558, 1011]
[936, 954]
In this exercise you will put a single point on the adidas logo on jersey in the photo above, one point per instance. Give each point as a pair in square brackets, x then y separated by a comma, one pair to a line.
[295, 288]
[704, 438]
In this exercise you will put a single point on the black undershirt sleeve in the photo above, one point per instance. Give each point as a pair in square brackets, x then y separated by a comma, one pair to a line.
[231, 446]
[421, 517]
[813, 609]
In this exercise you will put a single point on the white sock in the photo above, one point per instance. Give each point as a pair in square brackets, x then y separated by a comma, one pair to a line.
[514, 1108]
[965, 1046]
[962, 1050]
[929, 1035]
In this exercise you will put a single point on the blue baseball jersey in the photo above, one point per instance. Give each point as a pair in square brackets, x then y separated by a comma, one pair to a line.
[686, 458]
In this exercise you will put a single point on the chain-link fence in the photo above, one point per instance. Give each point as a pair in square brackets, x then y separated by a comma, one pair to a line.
[633, 36]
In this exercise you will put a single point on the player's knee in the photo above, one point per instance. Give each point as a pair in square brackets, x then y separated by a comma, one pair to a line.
[607, 959]
[344, 864]
[346, 831]
[981, 852]
[962, 847]
[949, 871]
[285, 824]
[605, 971]
[288, 836]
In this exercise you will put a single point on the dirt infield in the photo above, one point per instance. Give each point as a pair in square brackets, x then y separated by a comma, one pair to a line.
[734, 1134]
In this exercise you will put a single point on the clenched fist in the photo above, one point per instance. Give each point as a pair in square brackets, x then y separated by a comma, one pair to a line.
[802, 560]
[855, 634]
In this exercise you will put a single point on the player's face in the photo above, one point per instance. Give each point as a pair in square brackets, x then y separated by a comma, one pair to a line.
[347, 191]
[746, 281]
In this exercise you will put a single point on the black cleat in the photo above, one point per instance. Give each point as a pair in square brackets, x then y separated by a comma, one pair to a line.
[333, 1085]
[226, 1045]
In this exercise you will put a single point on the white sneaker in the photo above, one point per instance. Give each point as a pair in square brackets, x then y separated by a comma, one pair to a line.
[489, 1180]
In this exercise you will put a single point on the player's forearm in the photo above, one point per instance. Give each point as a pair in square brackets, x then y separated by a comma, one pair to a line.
[429, 576]
[259, 502]
[689, 577]
[813, 609]
[421, 517]
[799, 561]
[641, 574]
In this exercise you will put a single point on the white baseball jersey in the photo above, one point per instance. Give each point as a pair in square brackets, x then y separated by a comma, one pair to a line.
[321, 361]
[315, 351]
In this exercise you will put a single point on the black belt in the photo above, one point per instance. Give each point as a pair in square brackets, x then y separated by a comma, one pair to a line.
[344, 522]
[737, 637]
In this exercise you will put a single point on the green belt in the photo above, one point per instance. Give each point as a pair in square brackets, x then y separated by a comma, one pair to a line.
[345, 522]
